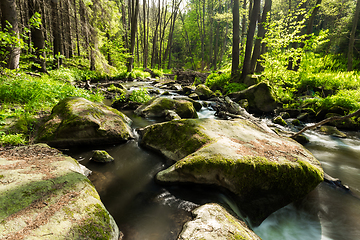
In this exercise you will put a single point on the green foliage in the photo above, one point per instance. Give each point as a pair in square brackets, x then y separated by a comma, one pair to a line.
[37, 93]
[12, 139]
[140, 95]
[136, 73]
[158, 73]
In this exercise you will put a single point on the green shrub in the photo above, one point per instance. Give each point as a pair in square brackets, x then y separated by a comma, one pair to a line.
[12, 139]
[140, 95]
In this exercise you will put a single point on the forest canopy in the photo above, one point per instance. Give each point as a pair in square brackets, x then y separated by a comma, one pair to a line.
[306, 50]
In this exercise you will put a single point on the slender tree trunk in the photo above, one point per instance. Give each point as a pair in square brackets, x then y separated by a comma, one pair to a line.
[352, 36]
[217, 27]
[134, 17]
[249, 40]
[57, 43]
[9, 13]
[85, 25]
[68, 29]
[243, 26]
[261, 35]
[236, 39]
[145, 51]
[76, 29]
[37, 35]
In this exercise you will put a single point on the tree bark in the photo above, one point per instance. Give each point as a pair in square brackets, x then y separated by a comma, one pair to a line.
[261, 35]
[67, 31]
[9, 14]
[352, 37]
[56, 33]
[134, 17]
[236, 39]
[249, 40]
[76, 29]
[37, 35]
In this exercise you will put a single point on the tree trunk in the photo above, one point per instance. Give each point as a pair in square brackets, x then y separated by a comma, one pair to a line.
[9, 13]
[243, 25]
[37, 35]
[58, 51]
[84, 23]
[67, 31]
[236, 39]
[352, 36]
[76, 29]
[261, 35]
[249, 40]
[145, 50]
[134, 17]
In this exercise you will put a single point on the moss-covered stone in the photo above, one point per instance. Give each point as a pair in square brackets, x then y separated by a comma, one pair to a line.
[333, 131]
[46, 196]
[260, 98]
[101, 156]
[235, 155]
[279, 120]
[212, 221]
[175, 139]
[157, 106]
[77, 121]
[204, 92]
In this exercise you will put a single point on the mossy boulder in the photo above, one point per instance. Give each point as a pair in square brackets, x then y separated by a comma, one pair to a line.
[264, 170]
[204, 92]
[77, 121]
[279, 120]
[331, 130]
[101, 156]
[212, 221]
[260, 98]
[44, 195]
[156, 108]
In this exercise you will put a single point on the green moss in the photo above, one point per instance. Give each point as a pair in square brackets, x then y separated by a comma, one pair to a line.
[251, 174]
[181, 137]
[2, 176]
[96, 226]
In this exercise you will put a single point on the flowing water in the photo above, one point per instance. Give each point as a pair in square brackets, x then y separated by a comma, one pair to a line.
[145, 210]
[327, 212]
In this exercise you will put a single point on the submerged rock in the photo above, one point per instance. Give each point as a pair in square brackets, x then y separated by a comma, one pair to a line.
[101, 156]
[264, 170]
[333, 131]
[212, 221]
[44, 195]
[156, 107]
[77, 121]
[260, 98]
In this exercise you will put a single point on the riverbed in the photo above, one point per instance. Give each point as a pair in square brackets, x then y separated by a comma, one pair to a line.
[144, 209]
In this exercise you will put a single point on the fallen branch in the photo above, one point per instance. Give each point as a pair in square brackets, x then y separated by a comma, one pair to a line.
[330, 119]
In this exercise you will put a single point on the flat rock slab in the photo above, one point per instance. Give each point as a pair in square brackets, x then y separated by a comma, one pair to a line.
[213, 222]
[45, 195]
[264, 170]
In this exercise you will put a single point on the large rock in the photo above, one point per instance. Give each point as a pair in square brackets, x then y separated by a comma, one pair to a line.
[156, 108]
[77, 121]
[44, 195]
[204, 92]
[260, 98]
[213, 222]
[264, 170]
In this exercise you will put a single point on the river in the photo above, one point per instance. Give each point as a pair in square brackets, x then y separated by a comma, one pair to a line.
[145, 210]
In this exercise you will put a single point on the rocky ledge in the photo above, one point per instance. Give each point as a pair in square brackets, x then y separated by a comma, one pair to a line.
[45, 195]
[265, 171]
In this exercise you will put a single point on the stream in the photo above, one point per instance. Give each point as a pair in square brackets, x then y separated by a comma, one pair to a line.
[145, 210]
